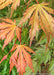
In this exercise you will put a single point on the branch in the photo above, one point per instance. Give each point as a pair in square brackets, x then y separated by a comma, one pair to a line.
[37, 1]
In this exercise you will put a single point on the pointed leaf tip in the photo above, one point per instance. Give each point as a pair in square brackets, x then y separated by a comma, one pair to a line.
[5, 57]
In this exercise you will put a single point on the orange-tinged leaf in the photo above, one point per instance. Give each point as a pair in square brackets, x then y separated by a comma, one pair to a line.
[14, 6]
[5, 57]
[8, 21]
[47, 23]
[20, 58]
[6, 25]
[13, 48]
[18, 33]
[21, 64]
[13, 59]
[4, 3]
[50, 10]
[28, 59]
[39, 19]
[1, 1]
[28, 49]
[27, 14]
[10, 36]
[4, 32]
[3, 37]
[34, 25]
[44, 4]
[7, 30]
[11, 66]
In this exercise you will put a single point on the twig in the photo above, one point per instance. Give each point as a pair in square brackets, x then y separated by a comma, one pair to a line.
[37, 1]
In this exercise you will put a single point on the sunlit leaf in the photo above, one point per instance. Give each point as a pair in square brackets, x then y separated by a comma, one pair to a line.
[20, 58]
[39, 18]
[7, 29]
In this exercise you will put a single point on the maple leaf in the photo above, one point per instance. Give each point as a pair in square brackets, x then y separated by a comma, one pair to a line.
[7, 29]
[39, 18]
[15, 3]
[14, 6]
[18, 33]
[4, 3]
[20, 58]
[5, 57]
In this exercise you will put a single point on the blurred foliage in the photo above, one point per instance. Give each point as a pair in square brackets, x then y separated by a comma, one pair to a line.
[43, 60]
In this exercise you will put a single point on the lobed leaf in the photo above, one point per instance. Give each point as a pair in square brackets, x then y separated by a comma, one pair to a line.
[39, 18]
[7, 30]
[20, 58]
[4, 3]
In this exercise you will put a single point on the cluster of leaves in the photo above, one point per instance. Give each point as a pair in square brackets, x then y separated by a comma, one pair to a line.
[39, 19]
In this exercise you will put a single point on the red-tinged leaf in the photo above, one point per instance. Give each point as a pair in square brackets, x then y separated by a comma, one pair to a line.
[8, 21]
[21, 64]
[5, 57]
[40, 19]
[28, 49]
[34, 22]
[2, 25]
[4, 32]
[14, 6]
[28, 59]
[11, 66]
[10, 36]
[50, 10]
[3, 37]
[44, 4]
[13, 48]
[18, 33]
[4, 3]
[13, 59]
[27, 14]
[7, 30]
[20, 58]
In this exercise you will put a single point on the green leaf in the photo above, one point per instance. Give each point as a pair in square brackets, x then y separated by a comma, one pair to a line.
[36, 66]
[4, 71]
[41, 56]
[13, 72]
[51, 67]
[28, 71]
[47, 57]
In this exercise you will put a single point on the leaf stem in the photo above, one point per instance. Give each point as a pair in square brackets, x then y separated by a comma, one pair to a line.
[37, 1]
[28, 3]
